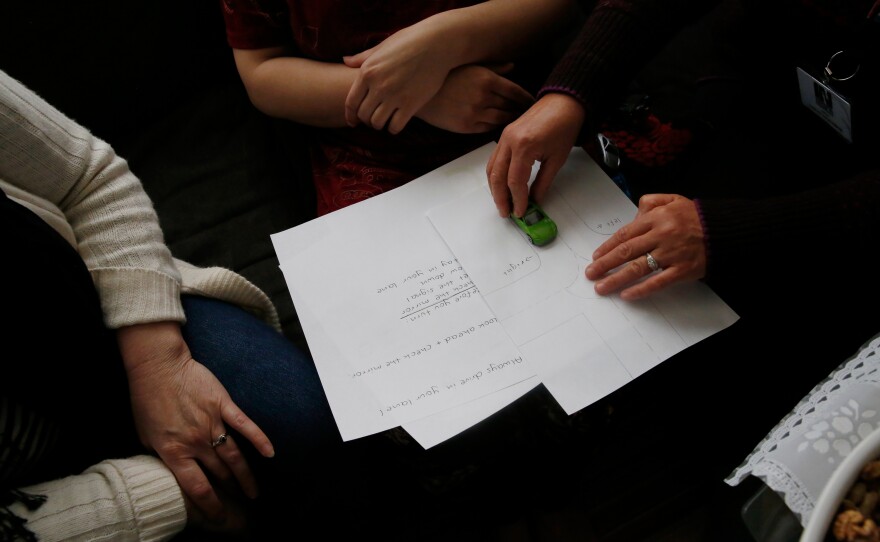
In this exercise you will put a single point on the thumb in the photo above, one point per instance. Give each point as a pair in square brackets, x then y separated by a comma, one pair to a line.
[651, 201]
[501, 69]
[355, 61]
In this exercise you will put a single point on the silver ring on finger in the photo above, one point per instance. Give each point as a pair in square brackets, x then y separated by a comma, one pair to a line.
[652, 263]
[220, 440]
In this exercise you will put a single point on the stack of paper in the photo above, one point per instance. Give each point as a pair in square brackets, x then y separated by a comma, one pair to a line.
[423, 309]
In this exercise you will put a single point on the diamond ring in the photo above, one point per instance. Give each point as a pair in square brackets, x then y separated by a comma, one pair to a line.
[220, 440]
[652, 263]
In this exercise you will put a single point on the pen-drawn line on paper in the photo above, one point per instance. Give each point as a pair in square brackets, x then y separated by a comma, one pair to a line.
[424, 349]
[454, 384]
[511, 267]
[420, 272]
[366, 371]
[610, 224]
[615, 299]
[455, 296]
[432, 390]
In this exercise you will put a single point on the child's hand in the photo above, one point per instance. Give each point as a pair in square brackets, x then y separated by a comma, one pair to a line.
[396, 79]
[476, 99]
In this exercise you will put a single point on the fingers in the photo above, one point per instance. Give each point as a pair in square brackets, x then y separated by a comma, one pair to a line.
[232, 456]
[359, 107]
[398, 121]
[621, 260]
[497, 112]
[514, 94]
[230, 453]
[501, 69]
[631, 272]
[654, 283]
[353, 101]
[652, 201]
[544, 178]
[621, 247]
[374, 115]
[518, 183]
[356, 61]
[509, 181]
[505, 94]
[358, 91]
[499, 164]
[668, 228]
[221, 456]
[195, 484]
[240, 422]
[229, 459]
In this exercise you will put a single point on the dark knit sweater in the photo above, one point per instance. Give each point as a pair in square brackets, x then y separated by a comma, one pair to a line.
[829, 223]
[836, 227]
[616, 40]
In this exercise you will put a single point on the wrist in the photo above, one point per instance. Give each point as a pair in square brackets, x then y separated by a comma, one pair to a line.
[147, 344]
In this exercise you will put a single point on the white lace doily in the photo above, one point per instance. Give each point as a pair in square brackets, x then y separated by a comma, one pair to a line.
[798, 456]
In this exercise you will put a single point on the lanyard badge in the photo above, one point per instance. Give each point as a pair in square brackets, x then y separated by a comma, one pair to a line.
[821, 98]
[831, 94]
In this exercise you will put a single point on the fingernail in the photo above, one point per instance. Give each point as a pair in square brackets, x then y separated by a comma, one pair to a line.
[268, 451]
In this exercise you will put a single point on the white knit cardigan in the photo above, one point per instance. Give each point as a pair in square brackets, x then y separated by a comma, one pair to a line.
[77, 184]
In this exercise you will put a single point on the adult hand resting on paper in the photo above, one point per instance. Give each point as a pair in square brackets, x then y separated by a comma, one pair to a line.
[668, 228]
[546, 133]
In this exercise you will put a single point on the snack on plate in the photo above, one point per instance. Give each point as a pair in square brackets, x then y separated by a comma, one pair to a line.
[859, 514]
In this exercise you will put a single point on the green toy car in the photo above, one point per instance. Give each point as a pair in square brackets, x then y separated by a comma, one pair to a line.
[539, 227]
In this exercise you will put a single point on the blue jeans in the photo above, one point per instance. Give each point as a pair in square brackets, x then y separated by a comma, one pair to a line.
[269, 378]
[277, 385]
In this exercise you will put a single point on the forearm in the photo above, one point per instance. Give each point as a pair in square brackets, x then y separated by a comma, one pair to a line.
[135, 499]
[496, 30]
[842, 217]
[52, 158]
[615, 41]
[298, 89]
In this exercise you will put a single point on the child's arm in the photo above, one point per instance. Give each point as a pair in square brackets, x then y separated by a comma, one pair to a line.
[400, 75]
[303, 90]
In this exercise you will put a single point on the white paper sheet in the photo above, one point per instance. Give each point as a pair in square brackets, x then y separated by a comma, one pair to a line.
[582, 346]
[444, 425]
[397, 329]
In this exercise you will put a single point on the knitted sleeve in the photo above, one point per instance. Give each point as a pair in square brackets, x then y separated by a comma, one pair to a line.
[135, 499]
[618, 37]
[745, 236]
[117, 232]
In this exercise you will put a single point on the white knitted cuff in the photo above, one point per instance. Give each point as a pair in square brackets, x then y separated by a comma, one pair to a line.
[156, 498]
